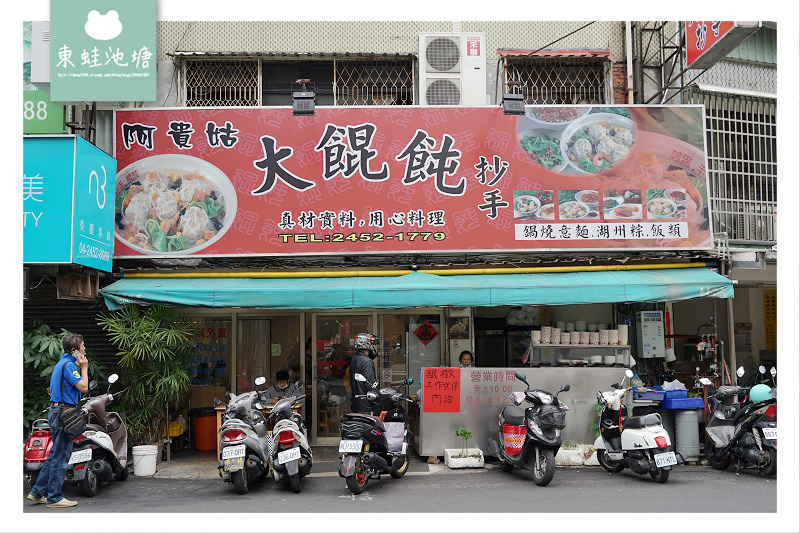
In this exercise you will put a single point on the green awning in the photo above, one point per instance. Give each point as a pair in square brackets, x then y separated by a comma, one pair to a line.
[418, 289]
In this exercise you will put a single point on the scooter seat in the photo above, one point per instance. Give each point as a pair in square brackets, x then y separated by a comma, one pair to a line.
[513, 415]
[653, 419]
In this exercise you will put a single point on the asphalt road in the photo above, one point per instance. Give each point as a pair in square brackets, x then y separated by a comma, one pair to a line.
[690, 489]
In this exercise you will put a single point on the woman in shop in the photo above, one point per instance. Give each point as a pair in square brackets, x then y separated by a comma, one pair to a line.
[466, 359]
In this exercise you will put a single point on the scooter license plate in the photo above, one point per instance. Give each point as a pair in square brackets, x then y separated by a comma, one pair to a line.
[81, 456]
[350, 446]
[665, 459]
[232, 452]
[234, 464]
[291, 454]
[770, 433]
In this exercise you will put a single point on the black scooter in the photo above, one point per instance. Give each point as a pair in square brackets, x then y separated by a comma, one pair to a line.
[531, 437]
[375, 444]
[744, 433]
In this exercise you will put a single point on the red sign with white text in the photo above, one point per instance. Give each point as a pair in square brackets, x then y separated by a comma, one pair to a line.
[701, 35]
[260, 181]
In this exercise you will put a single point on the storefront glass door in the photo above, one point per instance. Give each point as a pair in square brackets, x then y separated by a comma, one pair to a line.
[333, 345]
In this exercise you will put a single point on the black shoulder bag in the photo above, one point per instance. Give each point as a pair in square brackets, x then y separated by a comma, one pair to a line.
[71, 418]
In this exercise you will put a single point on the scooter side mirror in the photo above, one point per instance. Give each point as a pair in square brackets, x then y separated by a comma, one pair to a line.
[564, 388]
[409, 381]
[520, 376]
[773, 372]
[92, 384]
[740, 371]
[112, 379]
[762, 369]
[629, 373]
[260, 380]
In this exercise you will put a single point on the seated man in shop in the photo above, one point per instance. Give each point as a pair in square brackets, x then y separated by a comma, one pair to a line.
[281, 388]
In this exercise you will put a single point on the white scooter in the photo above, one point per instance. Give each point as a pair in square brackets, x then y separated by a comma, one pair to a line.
[290, 454]
[102, 451]
[639, 443]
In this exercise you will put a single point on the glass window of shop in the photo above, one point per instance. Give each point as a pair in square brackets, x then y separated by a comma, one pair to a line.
[334, 340]
[408, 342]
[210, 354]
[266, 345]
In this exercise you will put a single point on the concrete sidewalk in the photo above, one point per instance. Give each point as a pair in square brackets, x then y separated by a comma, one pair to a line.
[191, 464]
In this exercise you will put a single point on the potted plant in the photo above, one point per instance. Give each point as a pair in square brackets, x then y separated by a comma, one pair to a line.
[154, 345]
[465, 457]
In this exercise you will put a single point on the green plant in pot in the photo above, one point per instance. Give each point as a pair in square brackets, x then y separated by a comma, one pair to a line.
[155, 346]
[465, 434]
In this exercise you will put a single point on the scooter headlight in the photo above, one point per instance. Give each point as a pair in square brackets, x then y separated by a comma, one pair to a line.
[535, 427]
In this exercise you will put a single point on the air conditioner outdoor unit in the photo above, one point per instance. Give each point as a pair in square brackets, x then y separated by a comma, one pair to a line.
[40, 52]
[452, 69]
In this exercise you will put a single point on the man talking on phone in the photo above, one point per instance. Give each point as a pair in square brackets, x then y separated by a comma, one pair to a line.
[73, 369]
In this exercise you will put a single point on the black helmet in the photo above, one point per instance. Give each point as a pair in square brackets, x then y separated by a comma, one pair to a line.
[366, 341]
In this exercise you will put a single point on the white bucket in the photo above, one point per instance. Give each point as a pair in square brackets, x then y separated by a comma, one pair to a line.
[144, 460]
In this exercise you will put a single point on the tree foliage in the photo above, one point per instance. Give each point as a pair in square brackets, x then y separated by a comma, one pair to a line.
[41, 350]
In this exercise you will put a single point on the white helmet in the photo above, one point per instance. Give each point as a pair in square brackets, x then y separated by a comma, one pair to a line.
[366, 341]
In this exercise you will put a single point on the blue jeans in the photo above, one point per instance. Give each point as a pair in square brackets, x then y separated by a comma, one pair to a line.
[54, 469]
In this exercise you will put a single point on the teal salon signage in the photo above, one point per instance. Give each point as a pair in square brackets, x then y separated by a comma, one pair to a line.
[102, 50]
[67, 202]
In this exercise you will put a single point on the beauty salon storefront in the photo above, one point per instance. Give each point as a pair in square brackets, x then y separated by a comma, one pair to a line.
[217, 185]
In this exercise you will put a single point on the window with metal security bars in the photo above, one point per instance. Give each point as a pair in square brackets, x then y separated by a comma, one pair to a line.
[373, 83]
[559, 80]
[268, 82]
[742, 164]
[221, 82]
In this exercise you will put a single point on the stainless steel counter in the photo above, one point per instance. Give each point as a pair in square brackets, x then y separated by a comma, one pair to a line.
[483, 393]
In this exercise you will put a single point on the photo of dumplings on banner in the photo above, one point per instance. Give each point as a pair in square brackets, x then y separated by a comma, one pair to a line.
[228, 181]
[102, 50]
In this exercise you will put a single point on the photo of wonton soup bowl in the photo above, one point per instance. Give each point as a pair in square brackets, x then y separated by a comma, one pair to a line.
[172, 204]
[661, 208]
[590, 198]
[525, 206]
[573, 210]
[597, 142]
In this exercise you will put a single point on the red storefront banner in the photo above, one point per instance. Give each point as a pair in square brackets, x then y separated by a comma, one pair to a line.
[260, 181]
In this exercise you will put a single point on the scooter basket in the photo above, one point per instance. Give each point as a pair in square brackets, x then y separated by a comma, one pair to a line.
[513, 438]
[551, 416]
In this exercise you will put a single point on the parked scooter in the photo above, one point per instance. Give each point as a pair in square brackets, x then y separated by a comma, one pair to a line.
[101, 452]
[37, 448]
[639, 443]
[290, 455]
[746, 432]
[532, 436]
[375, 444]
[243, 440]
[97, 455]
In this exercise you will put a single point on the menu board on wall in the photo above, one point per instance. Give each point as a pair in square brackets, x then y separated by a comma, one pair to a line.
[260, 181]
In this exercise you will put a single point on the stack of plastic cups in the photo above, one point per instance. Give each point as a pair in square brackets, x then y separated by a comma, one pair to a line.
[594, 337]
[555, 335]
[584, 337]
[536, 337]
[546, 332]
[565, 337]
[604, 336]
[575, 337]
[613, 336]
